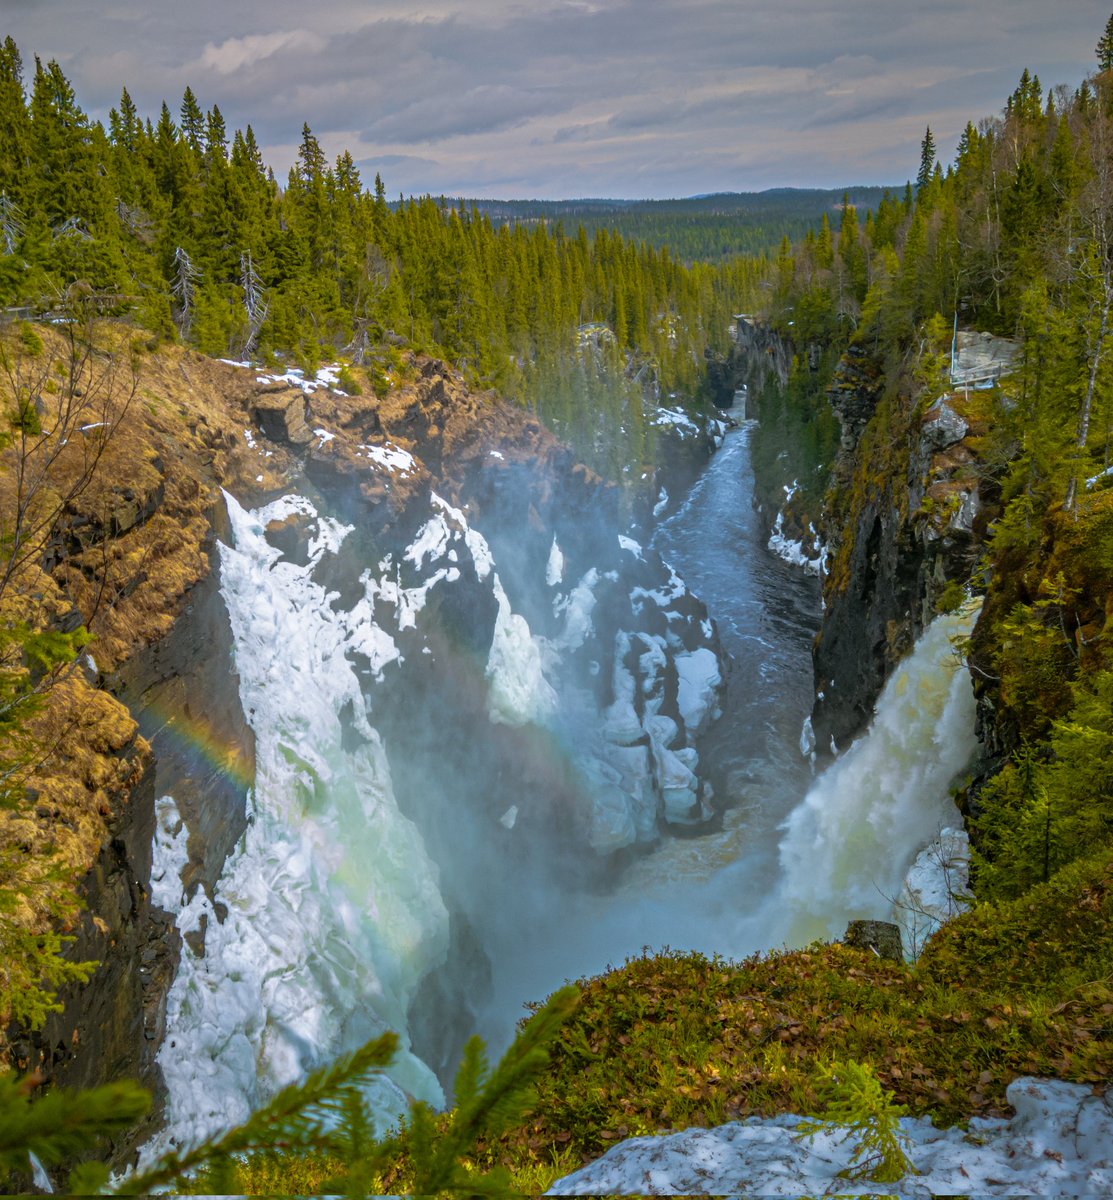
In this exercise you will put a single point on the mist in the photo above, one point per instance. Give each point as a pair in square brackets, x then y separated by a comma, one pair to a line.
[503, 745]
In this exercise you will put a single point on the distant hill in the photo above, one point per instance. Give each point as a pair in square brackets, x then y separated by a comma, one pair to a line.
[696, 228]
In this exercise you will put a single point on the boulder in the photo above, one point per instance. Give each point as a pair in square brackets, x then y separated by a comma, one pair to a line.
[943, 427]
[281, 415]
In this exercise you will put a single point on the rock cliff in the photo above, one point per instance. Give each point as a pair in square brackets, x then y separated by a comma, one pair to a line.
[905, 522]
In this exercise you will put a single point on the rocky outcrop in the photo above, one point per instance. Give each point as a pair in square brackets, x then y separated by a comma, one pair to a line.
[112, 1026]
[882, 938]
[854, 395]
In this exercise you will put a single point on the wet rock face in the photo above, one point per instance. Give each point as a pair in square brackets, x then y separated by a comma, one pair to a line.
[914, 514]
[867, 629]
[184, 694]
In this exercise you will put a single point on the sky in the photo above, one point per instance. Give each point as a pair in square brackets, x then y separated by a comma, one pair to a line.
[620, 98]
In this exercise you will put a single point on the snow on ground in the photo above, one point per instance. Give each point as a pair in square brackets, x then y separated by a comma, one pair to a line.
[327, 377]
[678, 420]
[390, 457]
[1060, 1143]
[792, 551]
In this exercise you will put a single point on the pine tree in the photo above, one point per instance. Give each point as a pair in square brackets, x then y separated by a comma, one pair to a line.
[193, 122]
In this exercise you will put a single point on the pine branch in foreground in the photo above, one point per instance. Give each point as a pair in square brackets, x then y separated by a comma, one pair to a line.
[59, 1124]
[298, 1118]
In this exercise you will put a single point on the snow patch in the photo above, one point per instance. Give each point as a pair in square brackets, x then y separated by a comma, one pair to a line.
[1059, 1143]
[391, 458]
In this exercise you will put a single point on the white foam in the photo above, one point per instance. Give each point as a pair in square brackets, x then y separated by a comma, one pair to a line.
[849, 843]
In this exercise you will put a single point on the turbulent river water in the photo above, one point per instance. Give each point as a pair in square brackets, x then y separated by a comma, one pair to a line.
[335, 909]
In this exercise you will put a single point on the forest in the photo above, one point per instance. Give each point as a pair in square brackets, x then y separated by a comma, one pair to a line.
[697, 229]
[179, 224]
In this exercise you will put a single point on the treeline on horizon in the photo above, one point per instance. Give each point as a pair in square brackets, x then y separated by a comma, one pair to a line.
[183, 225]
[1015, 238]
[696, 228]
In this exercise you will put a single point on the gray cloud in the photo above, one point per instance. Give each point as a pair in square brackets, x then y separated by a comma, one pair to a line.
[483, 109]
[567, 97]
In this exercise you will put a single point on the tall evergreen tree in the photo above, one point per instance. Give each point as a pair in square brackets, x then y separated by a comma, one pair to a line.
[927, 160]
[1104, 48]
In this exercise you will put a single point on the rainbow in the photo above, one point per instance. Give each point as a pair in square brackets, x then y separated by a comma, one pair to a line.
[201, 746]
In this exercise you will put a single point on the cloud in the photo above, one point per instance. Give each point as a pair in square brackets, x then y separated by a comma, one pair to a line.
[565, 97]
[486, 108]
[233, 54]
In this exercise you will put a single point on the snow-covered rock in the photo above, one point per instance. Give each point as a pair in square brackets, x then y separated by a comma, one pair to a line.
[935, 889]
[1059, 1143]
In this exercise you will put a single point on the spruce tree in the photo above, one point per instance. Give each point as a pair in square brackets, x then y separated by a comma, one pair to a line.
[927, 160]
[1104, 49]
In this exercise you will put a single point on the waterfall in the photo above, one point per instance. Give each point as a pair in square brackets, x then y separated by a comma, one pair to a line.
[848, 845]
[328, 914]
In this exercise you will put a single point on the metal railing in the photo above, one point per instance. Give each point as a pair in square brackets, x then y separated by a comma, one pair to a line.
[973, 376]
